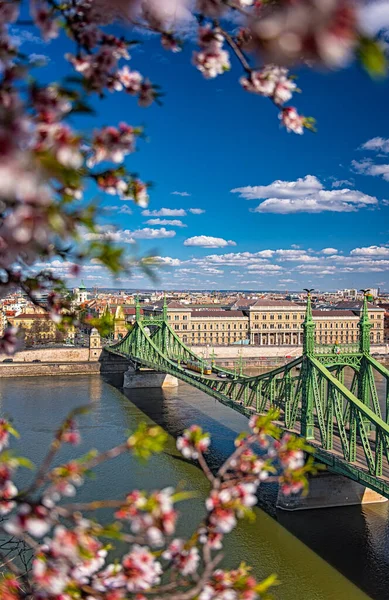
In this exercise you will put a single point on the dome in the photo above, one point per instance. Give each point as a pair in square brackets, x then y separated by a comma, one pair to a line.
[94, 331]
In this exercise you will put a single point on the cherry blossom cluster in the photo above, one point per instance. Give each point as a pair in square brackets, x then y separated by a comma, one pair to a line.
[70, 558]
[212, 60]
[193, 442]
[150, 514]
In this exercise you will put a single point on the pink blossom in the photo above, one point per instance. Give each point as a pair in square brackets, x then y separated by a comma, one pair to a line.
[146, 94]
[152, 514]
[184, 559]
[271, 81]
[193, 441]
[8, 345]
[212, 60]
[111, 143]
[8, 491]
[62, 141]
[43, 18]
[34, 520]
[292, 120]
[141, 570]
[168, 42]
[9, 12]
[130, 80]
[4, 434]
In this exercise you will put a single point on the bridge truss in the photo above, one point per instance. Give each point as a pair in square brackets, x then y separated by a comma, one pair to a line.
[328, 395]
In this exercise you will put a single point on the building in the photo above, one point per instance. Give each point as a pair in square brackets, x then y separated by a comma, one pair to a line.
[267, 323]
[80, 294]
[276, 323]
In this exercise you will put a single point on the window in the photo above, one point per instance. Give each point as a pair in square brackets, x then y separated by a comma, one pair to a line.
[256, 317]
[272, 317]
[185, 339]
[205, 326]
[176, 317]
[185, 317]
[234, 325]
[272, 326]
[287, 317]
[185, 327]
[229, 326]
[279, 325]
[217, 325]
[264, 326]
[295, 317]
[264, 317]
[198, 326]
[211, 326]
[279, 317]
[240, 326]
[193, 326]
[176, 327]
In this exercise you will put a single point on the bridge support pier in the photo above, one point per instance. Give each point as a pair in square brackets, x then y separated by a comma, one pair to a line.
[328, 490]
[146, 378]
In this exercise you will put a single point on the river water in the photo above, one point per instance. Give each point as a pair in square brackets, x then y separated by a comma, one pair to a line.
[330, 554]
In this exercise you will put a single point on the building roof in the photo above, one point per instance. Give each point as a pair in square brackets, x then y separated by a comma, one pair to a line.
[334, 313]
[227, 314]
[276, 303]
[33, 316]
[354, 305]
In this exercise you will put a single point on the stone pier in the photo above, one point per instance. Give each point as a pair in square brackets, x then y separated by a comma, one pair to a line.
[327, 490]
[146, 378]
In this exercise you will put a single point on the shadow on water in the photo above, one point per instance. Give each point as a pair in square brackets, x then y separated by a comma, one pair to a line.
[355, 540]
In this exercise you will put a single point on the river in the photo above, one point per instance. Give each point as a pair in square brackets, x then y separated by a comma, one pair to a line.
[322, 554]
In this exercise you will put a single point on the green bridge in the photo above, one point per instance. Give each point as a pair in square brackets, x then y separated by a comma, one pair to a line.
[344, 422]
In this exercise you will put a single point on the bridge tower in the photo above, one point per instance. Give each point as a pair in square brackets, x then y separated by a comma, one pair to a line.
[164, 309]
[307, 408]
[364, 348]
[364, 327]
[95, 345]
[137, 310]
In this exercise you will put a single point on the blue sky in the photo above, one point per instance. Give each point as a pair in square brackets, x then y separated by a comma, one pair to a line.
[211, 137]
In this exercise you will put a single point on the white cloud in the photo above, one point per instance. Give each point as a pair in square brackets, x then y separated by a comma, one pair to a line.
[287, 280]
[124, 236]
[281, 189]
[123, 209]
[324, 201]
[196, 211]
[329, 251]
[342, 182]
[171, 222]
[295, 255]
[206, 241]
[378, 144]
[167, 260]
[374, 16]
[368, 167]
[180, 194]
[152, 234]
[305, 195]
[371, 251]
[264, 269]
[165, 212]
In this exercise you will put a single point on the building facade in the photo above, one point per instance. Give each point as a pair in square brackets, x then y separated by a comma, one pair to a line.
[268, 323]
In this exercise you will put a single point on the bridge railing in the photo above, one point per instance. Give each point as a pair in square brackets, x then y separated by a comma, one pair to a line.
[337, 348]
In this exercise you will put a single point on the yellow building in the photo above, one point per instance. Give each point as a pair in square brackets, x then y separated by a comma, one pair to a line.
[266, 323]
